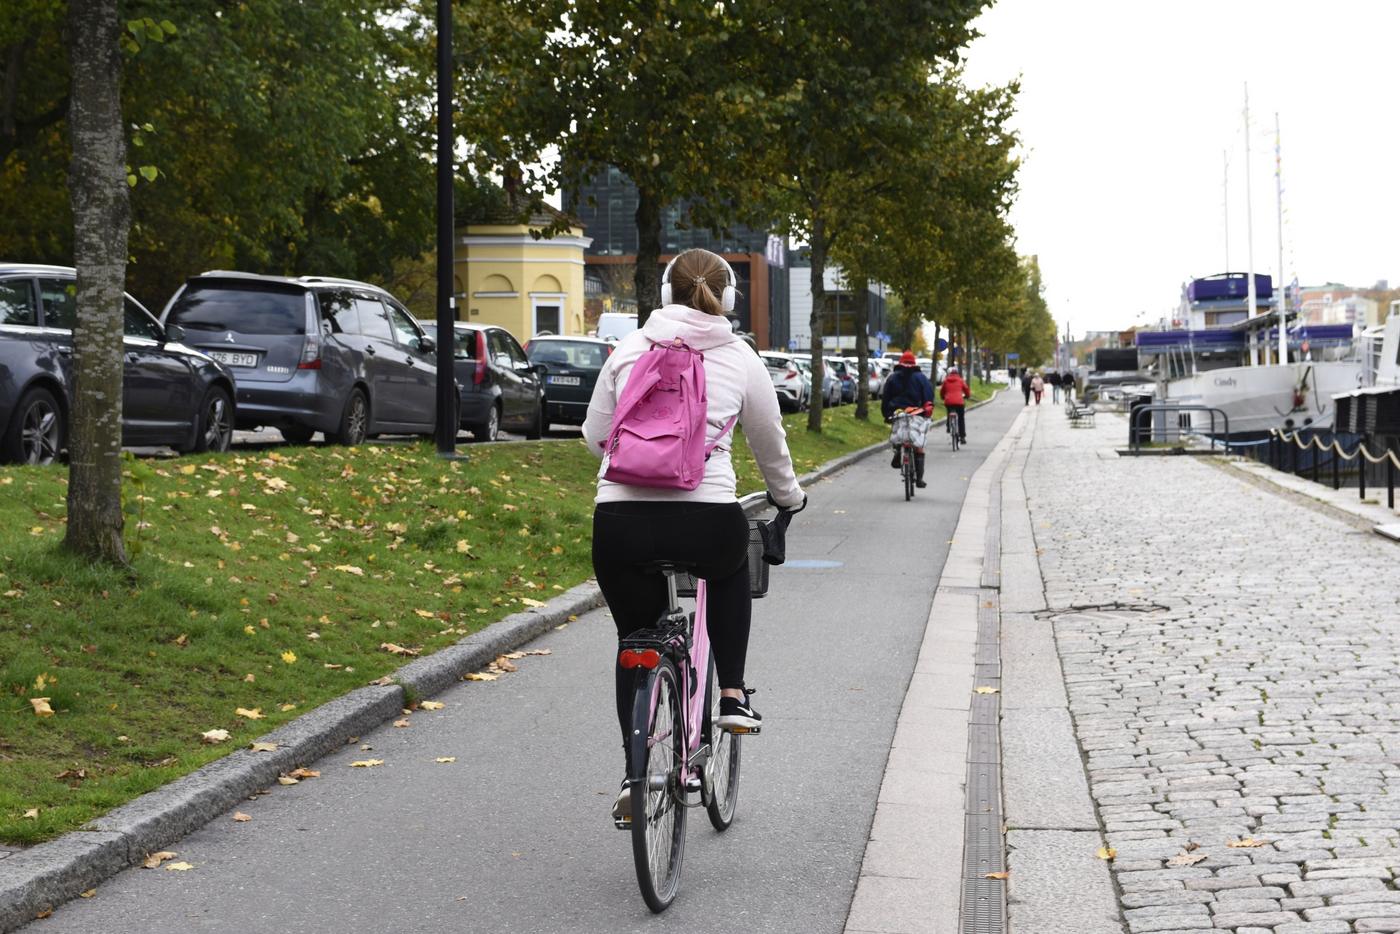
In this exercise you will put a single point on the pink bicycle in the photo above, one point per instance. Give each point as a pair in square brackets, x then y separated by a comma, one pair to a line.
[679, 758]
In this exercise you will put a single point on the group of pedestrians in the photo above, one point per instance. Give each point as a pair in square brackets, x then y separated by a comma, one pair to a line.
[1033, 384]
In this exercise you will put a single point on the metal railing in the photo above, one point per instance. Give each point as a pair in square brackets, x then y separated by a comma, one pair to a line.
[1134, 429]
[1287, 448]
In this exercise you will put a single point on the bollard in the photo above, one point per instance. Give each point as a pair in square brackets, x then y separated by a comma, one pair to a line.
[1389, 481]
[1361, 471]
[1316, 453]
[1336, 478]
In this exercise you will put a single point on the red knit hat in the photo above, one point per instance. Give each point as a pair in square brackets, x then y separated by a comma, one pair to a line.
[907, 359]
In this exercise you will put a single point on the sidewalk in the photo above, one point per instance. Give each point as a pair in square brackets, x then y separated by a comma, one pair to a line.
[1230, 681]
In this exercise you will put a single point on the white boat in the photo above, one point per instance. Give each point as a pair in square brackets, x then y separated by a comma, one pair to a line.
[1259, 398]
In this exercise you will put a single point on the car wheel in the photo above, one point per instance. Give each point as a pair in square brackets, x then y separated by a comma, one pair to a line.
[36, 432]
[489, 430]
[215, 422]
[297, 434]
[354, 423]
[536, 429]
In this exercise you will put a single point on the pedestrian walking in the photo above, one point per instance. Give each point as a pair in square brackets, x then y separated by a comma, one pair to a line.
[1026, 385]
[1054, 380]
[1067, 384]
[1037, 387]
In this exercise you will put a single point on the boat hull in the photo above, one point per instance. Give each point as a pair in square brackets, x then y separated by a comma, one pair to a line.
[1258, 399]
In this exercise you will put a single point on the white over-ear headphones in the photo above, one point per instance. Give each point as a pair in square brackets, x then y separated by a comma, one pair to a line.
[727, 297]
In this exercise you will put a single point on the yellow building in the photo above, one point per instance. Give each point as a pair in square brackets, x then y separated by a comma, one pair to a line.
[506, 277]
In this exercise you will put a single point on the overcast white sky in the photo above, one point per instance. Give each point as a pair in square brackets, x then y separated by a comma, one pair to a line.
[1128, 107]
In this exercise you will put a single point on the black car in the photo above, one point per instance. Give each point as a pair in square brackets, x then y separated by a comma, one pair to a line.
[313, 354]
[172, 395]
[498, 387]
[571, 368]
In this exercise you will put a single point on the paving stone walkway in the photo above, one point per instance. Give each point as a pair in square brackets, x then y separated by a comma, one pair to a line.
[1232, 663]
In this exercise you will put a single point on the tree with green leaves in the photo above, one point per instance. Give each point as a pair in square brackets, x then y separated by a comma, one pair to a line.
[671, 94]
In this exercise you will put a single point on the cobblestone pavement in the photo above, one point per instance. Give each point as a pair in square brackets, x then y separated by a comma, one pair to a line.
[1233, 667]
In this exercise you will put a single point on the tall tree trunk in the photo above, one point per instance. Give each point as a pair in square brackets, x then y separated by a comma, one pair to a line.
[862, 350]
[101, 219]
[818, 249]
[648, 275]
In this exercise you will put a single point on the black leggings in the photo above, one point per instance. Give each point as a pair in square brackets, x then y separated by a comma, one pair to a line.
[713, 537]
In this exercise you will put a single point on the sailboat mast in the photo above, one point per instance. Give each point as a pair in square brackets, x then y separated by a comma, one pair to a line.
[1249, 232]
[1280, 290]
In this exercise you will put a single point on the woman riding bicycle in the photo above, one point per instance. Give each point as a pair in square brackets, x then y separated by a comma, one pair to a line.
[955, 394]
[704, 528]
[908, 387]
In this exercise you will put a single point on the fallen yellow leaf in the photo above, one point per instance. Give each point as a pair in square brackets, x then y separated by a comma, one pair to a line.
[445, 759]
[155, 859]
[287, 780]
[432, 705]
[304, 773]
[187, 470]
[31, 814]
[41, 706]
[1186, 859]
[1245, 843]
[178, 867]
[394, 649]
[286, 707]
[289, 657]
[402, 723]
[1107, 852]
[996, 875]
[214, 736]
[88, 894]
[254, 714]
[984, 689]
[426, 614]
[529, 602]
[350, 569]
[241, 817]
[479, 676]
[263, 747]
[366, 763]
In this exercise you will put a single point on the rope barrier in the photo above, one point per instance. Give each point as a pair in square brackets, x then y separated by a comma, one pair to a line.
[1335, 447]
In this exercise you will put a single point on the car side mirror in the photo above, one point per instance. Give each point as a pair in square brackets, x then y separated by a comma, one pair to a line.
[174, 333]
[427, 344]
[540, 369]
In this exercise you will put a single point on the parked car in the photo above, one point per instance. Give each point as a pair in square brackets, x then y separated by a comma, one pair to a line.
[313, 354]
[497, 384]
[793, 389]
[615, 325]
[570, 368]
[877, 372]
[844, 373]
[830, 388]
[171, 395]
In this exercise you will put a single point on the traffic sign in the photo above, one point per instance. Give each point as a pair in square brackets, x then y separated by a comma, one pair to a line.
[941, 344]
[1013, 356]
[792, 343]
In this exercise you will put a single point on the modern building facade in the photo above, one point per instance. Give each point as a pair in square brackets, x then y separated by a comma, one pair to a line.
[839, 323]
[606, 208]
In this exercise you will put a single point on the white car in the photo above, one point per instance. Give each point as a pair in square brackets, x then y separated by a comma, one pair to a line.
[615, 325]
[791, 385]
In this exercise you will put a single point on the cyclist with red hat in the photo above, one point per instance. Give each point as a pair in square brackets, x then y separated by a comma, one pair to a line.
[908, 388]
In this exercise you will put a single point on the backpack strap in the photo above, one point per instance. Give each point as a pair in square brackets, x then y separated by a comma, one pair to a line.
[710, 448]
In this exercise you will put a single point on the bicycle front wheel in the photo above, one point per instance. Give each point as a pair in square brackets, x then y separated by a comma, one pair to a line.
[658, 812]
[908, 465]
[724, 759]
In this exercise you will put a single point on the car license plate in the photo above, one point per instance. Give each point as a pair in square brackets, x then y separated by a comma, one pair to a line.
[235, 359]
[564, 381]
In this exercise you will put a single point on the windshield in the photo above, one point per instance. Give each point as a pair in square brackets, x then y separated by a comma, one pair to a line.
[581, 354]
[247, 310]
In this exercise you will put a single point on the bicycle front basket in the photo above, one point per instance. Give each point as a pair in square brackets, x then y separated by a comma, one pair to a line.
[758, 568]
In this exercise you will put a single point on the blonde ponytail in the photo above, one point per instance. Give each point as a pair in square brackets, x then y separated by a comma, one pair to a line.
[698, 279]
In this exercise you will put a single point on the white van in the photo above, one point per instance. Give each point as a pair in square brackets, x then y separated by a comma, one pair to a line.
[615, 325]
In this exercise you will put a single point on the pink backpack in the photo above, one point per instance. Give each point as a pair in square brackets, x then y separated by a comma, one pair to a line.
[658, 429]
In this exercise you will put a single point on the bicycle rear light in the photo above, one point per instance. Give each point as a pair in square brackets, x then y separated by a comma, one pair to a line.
[639, 658]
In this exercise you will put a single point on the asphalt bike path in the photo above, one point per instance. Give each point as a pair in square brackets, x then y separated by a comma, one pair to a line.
[514, 833]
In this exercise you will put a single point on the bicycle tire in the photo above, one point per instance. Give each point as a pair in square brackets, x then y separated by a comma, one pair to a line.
[952, 432]
[907, 463]
[724, 759]
[658, 808]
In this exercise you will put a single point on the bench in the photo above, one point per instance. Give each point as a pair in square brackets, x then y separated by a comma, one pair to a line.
[1080, 416]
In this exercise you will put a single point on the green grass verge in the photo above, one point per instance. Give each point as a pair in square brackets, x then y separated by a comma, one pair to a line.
[271, 582]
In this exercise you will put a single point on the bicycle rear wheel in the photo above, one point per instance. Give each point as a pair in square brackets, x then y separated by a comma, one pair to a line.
[724, 759]
[907, 464]
[658, 812]
[953, 430]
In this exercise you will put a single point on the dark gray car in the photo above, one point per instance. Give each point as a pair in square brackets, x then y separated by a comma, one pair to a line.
[172, 395]
[498, 387]
[313, 354]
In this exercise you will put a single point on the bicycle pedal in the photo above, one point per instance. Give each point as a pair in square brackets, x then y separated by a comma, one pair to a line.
[622, 823]
[744, 729]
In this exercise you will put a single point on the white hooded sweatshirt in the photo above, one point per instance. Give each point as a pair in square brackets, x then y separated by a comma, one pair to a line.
[736, 383]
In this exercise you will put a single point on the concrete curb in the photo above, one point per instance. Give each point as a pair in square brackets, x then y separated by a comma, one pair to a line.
[41, 877]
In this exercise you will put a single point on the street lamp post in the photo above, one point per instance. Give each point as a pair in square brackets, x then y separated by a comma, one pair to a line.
[446, 433]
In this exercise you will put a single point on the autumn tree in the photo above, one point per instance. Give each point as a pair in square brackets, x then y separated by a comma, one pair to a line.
[101, 217]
